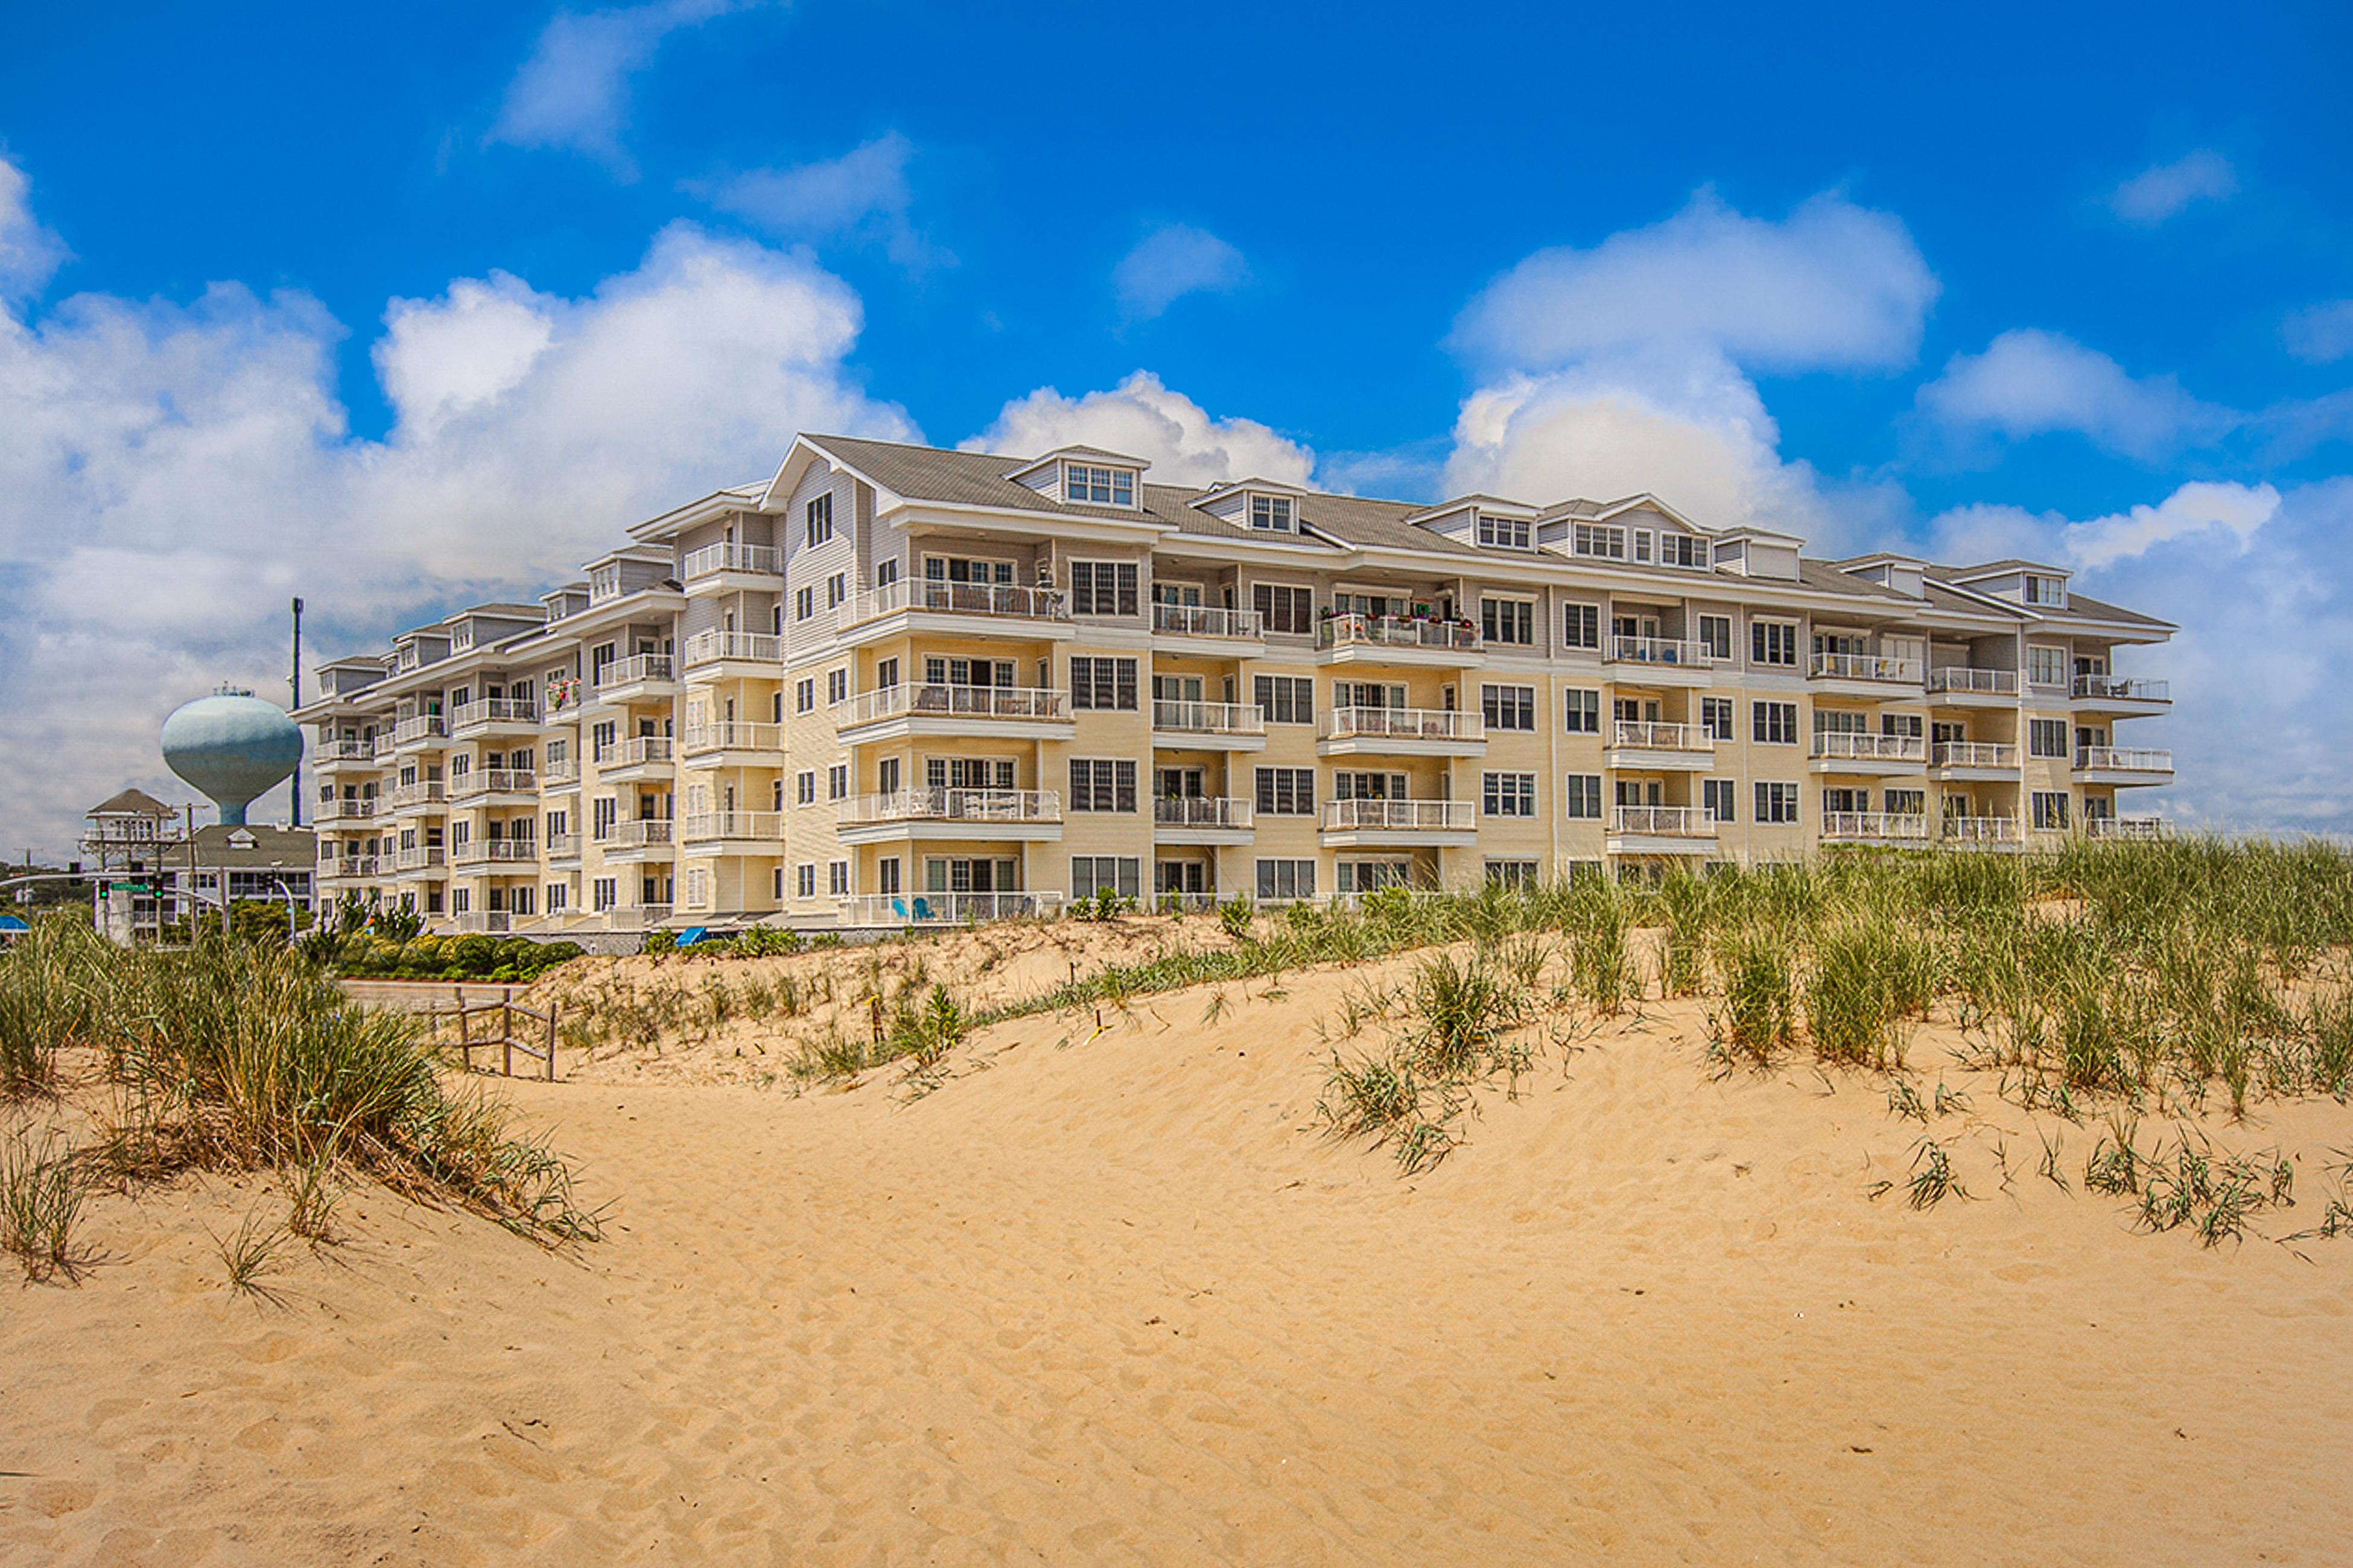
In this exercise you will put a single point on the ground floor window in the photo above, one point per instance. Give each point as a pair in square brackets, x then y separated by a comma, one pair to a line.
[1907, 801]
[946, 874]
[1286, 878]
[837, 877]
[1180, 877]
[1370, 876]
[2051, 810]
[1512, 873]
[805, 880]
[698, 888]
[558, 898]
[886, 875]
[1508, 795]
[1119, 874]
[1716, 797]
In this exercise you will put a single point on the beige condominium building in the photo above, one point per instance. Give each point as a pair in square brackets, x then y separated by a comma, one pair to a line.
[900, 685]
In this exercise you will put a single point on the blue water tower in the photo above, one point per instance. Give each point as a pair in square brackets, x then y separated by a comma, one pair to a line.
[232, 746]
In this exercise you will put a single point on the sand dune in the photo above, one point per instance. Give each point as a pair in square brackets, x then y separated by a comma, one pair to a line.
[1112, 1299]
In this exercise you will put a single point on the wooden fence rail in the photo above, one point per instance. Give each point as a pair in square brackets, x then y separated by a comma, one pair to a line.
[516, 1029]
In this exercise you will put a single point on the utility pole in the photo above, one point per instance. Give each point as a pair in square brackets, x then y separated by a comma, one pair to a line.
[294, 689]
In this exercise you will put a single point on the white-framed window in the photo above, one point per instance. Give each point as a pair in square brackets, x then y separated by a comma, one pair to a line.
[968, 772]
[1285, 698]
[1098, 487]
[1104, 587]
[817, 519]
[1685, 550]
[837, 686]
[1102, 783]
[1715, 635]
[698, 888]
[2046, 665]
[1774, 723]
[1121, 874]
[1507, 794]
[2050, 811]
[1504, 532]
[805, 695]
[805, 788]
[837, 589]
[1281, 879]
[886, 571]
[2050, 591]
[1580, 626]
[559, 898]
[1271, 514]
[837, 782]
[805, 605]
[2046, 737]
[1285, 791]
[1104, 683]
[837, 877]
[1582, 711]
[604, 893]
[1508, 707]
[1907, 802]
[805, 880]
[1602, 540]
[1772, 642]
[776, 883]
[1283, 608]
[1582, 793]
[1716, 717]
[1776, 803]
[1716, 797]
[1512, 873]
[1508, 620]
[1371, 876]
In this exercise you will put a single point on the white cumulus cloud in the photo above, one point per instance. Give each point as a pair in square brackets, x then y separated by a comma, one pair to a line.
[2167, 190]
[2031, 383]
[30, 253]
[171, 474]
[1172, 261]
[865, 192]
[1182, 441]
[573, 92]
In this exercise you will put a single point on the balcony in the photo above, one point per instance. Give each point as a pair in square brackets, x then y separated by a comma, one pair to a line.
[638, 757]
[330, 754]
[1660, 661]
[414, 799]
[1402, 731]
[1973, 761]
[1397, 640]
[424, 731]
[1873, 827]
[425, 859]
[1014, 814]
[2138, 829]
[1661, 830]
[351, 867]
[1865, 674]
[2120, 765]
[348, 808]
[507, 782]
[1012, 713]
[495, 852]
[1982, 832]
[494, 715]
[559, 773]
[1960, 684]
[1209, 726]
[729, 568]
[1648, 747]
[732, 745]
[646, 839]
[1206, 623]
[1348, 822]
[384, 746]
[954, 609]
[1200, 819]
[946, 909]
[641, 677]
[727, 656]
[734, 833]
[564, 847]
[2117, 694]
[1840, 751]
[493, 922]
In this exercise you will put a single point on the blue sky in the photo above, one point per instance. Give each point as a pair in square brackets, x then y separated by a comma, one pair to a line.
[393, 307]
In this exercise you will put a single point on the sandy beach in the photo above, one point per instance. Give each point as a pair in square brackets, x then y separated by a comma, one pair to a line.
[1114, 1297]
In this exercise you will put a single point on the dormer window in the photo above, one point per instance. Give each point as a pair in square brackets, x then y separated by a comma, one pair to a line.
[1682, 550]
[604, 583]
[1098, 487]
[1504, 532]
[1599, 540]
[463, 637]
[2052, 591]
[1271, 514]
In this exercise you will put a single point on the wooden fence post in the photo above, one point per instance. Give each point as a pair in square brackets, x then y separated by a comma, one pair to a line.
[506, 1028]
[551, 1005]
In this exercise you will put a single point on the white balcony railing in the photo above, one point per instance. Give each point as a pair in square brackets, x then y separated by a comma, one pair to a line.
[492, 921]
[1663, 821]
[2119, 687]
[726, 736]
[634, 916]
[944, 908]
[2122, 760]
[424, 856]
[2127, 827]
[635, 751]
[560, 771]
[492, 711]
[350, 865]
[710, 648]
[348, 808]
[1866, 667]
[424, 792]
[1206, 621]
[1973, 755]
[630, 671]
[638, 833]
[1961, 678]
[492, 781]
[951, 805]
[424, 727]
[1841, 745]
[1209, 718]
[1660, 650]
[1403, 724]
[703, 826]
[932, 597]
[1401, 816]
[346, 750]
[1009, 702]
[1655, 737]
[1875, 826]
[713, 559]
[1200, 811]
[1396, 631]
[564, 846]
[504, 851]
[1980, 830]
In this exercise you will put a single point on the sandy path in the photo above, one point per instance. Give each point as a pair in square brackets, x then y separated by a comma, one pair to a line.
[1107, 1302]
